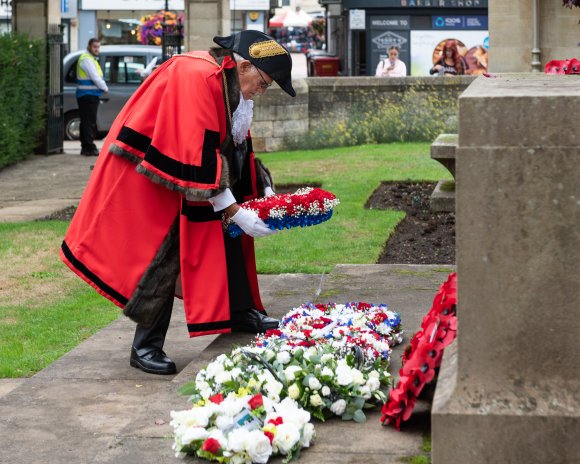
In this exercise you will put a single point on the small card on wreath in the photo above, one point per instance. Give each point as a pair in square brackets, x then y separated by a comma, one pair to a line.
[305, 207]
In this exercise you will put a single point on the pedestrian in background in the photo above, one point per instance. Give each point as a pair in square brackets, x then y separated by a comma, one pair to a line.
[90, 86]
[391, 66]
[451, 62]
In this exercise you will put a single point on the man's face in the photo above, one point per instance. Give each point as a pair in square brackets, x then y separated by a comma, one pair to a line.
[253, 81]
[95, 48]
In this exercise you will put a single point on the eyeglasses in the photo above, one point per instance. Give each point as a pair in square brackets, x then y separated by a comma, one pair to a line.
[264, 85]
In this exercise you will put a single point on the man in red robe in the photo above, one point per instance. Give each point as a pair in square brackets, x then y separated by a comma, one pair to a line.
[177, 158]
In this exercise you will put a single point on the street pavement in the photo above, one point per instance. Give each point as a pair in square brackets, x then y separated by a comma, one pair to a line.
[90, 406]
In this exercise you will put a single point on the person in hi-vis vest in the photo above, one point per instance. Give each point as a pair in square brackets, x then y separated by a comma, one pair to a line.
[90, 86]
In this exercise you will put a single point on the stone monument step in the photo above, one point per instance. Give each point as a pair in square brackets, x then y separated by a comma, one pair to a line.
[443, 199]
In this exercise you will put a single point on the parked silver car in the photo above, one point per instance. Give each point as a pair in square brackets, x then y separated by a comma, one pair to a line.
[122, 67]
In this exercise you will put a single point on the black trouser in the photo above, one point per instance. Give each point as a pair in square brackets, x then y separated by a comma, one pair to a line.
[239, 293]
[154, 336]
[88, 107]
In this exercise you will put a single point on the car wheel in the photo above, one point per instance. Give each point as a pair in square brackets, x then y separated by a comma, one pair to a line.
[72, 126]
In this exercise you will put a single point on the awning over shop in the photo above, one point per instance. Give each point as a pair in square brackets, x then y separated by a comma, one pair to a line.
[291, 18]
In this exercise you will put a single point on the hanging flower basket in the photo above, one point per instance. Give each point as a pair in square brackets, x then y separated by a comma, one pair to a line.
[151, 29]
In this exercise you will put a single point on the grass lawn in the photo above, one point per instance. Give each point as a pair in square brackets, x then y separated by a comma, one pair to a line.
[354, 235]
[45, 310]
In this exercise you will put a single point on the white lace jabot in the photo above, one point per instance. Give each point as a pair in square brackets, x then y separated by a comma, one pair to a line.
[242, 119]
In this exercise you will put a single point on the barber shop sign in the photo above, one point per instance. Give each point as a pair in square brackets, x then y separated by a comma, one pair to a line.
[388, 39]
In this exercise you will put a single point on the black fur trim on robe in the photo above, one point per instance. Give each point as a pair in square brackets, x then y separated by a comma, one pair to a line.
[191, 193]
[158, 281]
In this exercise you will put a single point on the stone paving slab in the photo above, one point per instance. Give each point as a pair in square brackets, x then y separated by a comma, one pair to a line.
[91, 407]
[7, 385]
[33, 210]
[39, 177]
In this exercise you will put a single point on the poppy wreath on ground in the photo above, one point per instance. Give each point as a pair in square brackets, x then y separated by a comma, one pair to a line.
[423, 356]
[305, 207]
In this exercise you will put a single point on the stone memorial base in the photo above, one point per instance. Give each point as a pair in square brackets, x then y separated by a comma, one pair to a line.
[510, 393]
[523, 424]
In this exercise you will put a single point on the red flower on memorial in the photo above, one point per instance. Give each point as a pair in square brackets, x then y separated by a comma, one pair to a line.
[256, 401]
[211, 445]
[217, 398]
[424, 354]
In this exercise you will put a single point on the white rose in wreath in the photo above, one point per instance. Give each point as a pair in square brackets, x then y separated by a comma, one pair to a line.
[307, 434]
[213, 369]
[193, 434]
[223, 377]
[357, 377]
[326, 358]
[283, 357]
[224, 421]
[325, 391]
[365, 392]
[287, 435]
[373, 383]
[290, 372]
[238, 440]
[294, 391]
[314, 383]
[343, 375]
[316, 400]
[327, 372]
[259, 447]
[338, 407]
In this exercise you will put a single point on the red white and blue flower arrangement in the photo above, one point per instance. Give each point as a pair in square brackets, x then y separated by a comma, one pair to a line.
[424, 354]
[374, 329]
[324, 360]
[305, 207]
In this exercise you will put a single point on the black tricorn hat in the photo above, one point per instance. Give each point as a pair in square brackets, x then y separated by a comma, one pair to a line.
[263, 52]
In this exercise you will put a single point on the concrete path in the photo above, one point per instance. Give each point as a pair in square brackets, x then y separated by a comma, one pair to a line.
[90, 406]
[42, 185]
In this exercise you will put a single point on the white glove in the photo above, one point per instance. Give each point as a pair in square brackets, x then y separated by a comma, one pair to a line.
[251, 224]
[268, 192]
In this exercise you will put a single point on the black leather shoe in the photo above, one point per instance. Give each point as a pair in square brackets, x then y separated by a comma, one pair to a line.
[253, 321]
[93, 152]
[152, 361]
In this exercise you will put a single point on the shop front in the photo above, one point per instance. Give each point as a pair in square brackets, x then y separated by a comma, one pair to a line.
[419, 29]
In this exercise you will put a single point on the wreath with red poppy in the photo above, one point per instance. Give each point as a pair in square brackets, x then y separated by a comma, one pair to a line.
[423, 355]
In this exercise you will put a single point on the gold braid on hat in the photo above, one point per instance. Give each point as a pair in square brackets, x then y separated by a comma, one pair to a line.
[266, 48]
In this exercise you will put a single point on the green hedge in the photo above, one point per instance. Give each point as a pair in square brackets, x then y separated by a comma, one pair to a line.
[410, 116]
[22, 70]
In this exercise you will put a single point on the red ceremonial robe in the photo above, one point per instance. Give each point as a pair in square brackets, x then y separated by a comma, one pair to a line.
[134, 231]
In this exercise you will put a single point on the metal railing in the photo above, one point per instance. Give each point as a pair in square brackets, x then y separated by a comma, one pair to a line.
[54, 91]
